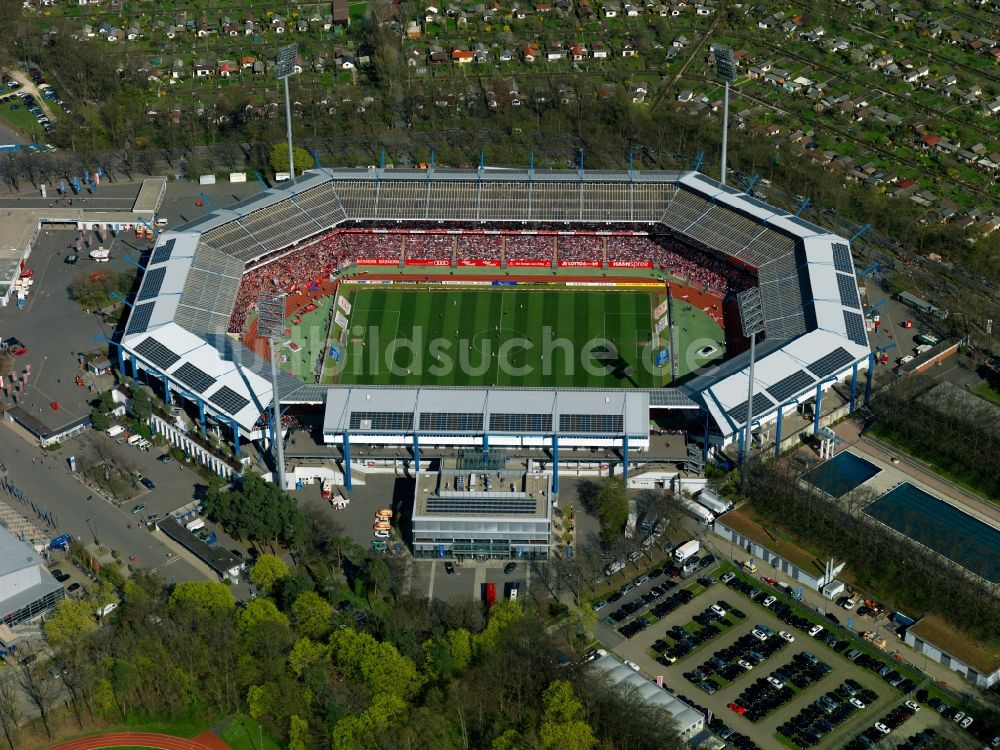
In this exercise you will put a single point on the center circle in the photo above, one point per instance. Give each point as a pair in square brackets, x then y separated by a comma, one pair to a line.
[498, 334]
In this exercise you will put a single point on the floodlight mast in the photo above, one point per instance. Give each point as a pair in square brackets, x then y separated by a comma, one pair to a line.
[752, 320]
[725, 68]
[283, 70]
[270, 322]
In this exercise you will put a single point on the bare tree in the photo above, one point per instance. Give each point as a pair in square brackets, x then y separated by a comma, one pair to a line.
[10, 710]
[41, 690]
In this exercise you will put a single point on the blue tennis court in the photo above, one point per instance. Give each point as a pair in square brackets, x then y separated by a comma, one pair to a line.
[942, 527]
[841, 474]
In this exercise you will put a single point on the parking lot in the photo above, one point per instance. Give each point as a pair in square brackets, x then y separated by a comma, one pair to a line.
[802, 680]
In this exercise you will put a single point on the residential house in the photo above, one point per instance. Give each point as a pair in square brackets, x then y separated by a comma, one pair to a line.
[414, 57]
[462, 56]
[226, 68]
[599, 51]
[610, 10]
[680, 42]
[247, 62]
[133, 32]
[341, 13]
[628, 49]
[202, 69]
[577, 52]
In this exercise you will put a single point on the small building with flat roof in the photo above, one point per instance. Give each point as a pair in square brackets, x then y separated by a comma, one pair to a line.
[482, 506]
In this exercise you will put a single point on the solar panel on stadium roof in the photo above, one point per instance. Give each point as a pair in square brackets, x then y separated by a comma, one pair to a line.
[789, 386]
[848, 288]
[194, 377]
[855, 328]
[707, 180]
[381, 420]
[520, 422]
[842, 258]
[138, 319]
[229, 400]
[761, 404]
[830, 363]
[591, 423]
[476, 506]
[452, 421]
[151, 284]
[162, 253]
[153, 351]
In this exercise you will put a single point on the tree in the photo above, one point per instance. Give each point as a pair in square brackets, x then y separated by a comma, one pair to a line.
[610, 501]
[312, 615]
[202, 598]
[70, 620]
[93, 291]
[99, 420]
[279, 158]
[375, 574]
[258, 613]
[40, 689]
[267, 571]
[257, 510]
[10, 709]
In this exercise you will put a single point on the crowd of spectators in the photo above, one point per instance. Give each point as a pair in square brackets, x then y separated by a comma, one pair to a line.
[373, 246]
[637, 249]
[430, 246]
[584, 247]
[293, 271]
[528, 247]
[479, 247]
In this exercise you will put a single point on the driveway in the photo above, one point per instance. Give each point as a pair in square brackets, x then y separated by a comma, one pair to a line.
[27, 85]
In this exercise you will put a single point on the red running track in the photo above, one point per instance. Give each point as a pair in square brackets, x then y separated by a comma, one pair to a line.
[204, 741]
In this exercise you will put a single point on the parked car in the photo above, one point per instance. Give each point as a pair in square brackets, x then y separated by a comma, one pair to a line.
[509, 568]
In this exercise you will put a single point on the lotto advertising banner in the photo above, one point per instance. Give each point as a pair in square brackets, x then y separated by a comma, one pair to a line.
[466, 262]
[344, 305]
[529, 264]
[377, 262]
[661, 324]
[427, 262]
[579, 264]
[340, 319]
[630, 264]
[661, 310]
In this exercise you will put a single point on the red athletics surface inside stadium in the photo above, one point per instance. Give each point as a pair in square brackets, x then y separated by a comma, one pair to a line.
[204, 741]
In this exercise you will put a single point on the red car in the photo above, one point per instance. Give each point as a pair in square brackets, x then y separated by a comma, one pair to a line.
[770, 581]
[736, 708]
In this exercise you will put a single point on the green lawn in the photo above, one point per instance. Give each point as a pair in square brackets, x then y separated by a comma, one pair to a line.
[503, 336]
[985, 391]
[19, 118]
[243, 733]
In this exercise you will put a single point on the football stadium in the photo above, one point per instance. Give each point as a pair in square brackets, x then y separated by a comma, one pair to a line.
[497, 307]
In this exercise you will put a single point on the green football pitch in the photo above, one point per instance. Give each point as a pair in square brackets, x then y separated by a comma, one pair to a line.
[503, 336]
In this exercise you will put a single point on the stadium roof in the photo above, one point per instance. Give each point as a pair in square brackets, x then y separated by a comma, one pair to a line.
[402, 410]
[806, 275]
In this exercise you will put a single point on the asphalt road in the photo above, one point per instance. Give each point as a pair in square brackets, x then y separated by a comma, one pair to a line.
[45, 478]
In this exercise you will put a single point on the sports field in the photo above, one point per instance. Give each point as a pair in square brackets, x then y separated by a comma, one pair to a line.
[504, 336]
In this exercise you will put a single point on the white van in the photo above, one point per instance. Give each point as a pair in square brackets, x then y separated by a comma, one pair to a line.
[161, 222]
[143, 445]
[134, 439]
[192, 526]
[114, 430]
[107, 609]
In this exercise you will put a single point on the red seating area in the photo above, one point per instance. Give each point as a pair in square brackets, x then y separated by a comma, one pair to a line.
[586, 247]
[294, 271]
[479, 247]
[430, 246]
[384, 247]
[528, 247]
[633, 250]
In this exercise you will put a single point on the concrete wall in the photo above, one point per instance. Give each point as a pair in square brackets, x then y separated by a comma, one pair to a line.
[764, 556]
[934, 653]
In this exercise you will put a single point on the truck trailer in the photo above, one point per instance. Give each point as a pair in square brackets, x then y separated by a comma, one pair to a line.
[700, 512]
[686, 550]
[714, 501]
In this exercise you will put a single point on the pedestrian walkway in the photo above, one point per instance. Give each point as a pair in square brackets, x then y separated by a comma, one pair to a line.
[204, 741]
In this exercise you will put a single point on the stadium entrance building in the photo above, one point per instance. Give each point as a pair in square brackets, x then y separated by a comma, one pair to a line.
[483, 506]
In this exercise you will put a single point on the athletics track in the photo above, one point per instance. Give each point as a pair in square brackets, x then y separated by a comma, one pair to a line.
[204, 741]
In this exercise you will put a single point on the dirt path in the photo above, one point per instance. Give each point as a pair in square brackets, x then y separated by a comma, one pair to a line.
[29, 86]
